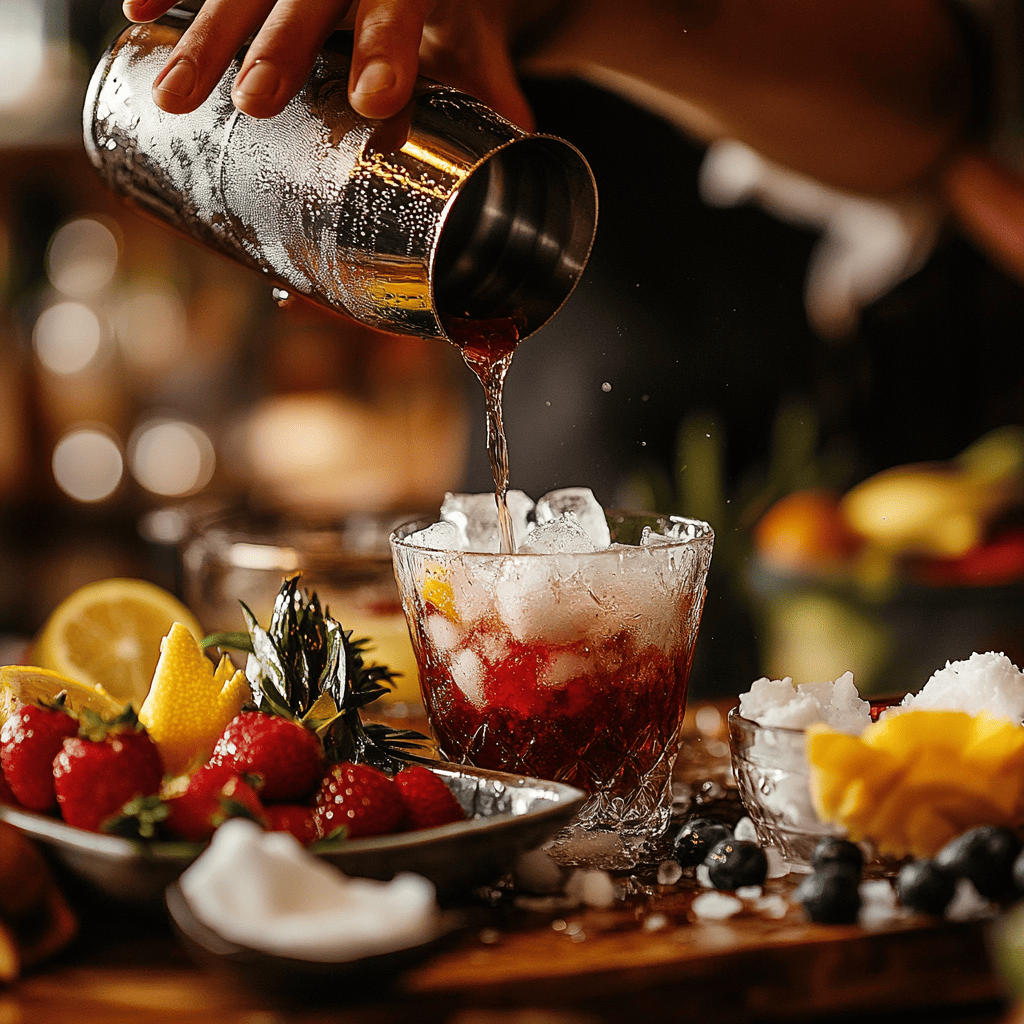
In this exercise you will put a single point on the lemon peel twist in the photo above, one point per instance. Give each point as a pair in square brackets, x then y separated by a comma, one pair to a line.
[190, 701]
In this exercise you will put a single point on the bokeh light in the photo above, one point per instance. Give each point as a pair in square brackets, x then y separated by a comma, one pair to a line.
[87, 464]
[22, 49]
[171, 457]
[67, 337]
[151, 326]
[82, 257]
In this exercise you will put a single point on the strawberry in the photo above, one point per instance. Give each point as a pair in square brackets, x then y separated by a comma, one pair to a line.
[98, 771]
[214, 793]
[358, 797]
[287, 755]
[29, 741]
[294, 818]
[6, 793]
[426, 799]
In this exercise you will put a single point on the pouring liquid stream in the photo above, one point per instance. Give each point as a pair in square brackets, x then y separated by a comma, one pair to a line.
[487, 346]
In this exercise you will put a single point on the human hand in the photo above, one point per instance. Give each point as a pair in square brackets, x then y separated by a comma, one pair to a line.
[989, 201]
[464, 43]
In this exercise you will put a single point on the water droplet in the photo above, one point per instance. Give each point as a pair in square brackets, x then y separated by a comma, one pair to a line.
[282, 296]
[606, 387]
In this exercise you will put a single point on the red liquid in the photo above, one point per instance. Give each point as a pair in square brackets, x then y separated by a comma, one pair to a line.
[606, 726]
[488, 346]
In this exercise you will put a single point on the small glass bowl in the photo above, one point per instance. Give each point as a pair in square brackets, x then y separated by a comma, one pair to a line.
[773, 777]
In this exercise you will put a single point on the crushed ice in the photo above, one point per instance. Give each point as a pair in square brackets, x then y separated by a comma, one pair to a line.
[988, 683]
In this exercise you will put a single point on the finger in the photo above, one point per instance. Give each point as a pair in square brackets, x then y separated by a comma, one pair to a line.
[482, 67]
[385, 58]
[281, 56]
[146, 10]
[989, 201]
[204, 52]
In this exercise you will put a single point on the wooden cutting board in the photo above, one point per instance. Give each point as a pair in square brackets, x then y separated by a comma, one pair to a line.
[647, 959]
[648, 962]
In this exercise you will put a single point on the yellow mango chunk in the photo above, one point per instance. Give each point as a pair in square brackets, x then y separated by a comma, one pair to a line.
[842, 758]
[919, 730]
[190, 702]
[914, 780]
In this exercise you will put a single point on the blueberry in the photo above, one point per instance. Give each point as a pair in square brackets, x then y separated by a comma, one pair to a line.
[985, 855]
[696, 839]
[925, 887]
[734, 863]
[830, 895]
[833, 850]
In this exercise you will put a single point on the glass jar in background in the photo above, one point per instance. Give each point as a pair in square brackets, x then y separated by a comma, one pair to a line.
[243, 556]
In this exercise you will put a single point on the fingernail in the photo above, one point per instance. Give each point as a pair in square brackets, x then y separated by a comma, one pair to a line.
[261, 80]
[376, 77]
[178, 80]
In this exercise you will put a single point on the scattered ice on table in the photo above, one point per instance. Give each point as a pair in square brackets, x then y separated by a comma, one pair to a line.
[745, 830]
[778, 866]
[778, 702]
[476, 518]
[264, 890]
[581, 502]
[592, 887]
[437, 536]
[715, 906]
[563, 535]
[984, 682]
[655, 923]
[773, 906]
[879, 907]
[669, 872]
[749, 892]
[536, 871]
[704, 877]
[968, 904]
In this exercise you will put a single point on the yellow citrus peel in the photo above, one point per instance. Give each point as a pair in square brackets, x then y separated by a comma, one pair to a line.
[914, 780]
[190, 702]
[439, 592]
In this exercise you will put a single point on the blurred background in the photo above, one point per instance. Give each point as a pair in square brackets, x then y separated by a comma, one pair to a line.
[723, 353]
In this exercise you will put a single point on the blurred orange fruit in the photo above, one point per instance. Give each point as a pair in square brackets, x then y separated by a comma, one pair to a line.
[806, 530]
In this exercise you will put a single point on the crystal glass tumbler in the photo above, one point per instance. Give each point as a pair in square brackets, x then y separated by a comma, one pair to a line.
[569, 666]
[237, 556]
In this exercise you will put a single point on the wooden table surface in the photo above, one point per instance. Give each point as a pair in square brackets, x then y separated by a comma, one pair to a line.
[645, 961]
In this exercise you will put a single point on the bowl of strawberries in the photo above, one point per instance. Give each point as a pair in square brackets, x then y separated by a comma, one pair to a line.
[126, 799]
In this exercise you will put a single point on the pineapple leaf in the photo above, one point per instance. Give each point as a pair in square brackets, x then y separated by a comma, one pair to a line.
[305, 666]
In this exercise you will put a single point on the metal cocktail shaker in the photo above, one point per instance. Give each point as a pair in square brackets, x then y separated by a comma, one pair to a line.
[445, 210]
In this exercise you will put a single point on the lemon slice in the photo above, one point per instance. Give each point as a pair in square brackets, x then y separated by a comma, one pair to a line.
[28, 684]
[108, 634]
